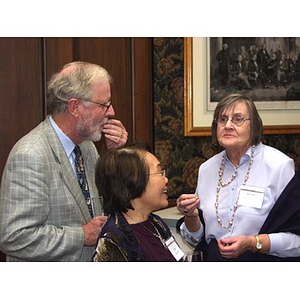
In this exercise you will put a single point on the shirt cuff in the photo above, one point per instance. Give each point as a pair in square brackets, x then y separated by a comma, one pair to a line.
[191, 237]
[276, 244]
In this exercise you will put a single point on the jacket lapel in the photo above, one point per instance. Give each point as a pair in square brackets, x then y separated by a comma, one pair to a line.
[66, 171]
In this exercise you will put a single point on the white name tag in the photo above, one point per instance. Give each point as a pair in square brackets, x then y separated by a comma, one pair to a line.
[174, 248]
[251, 196]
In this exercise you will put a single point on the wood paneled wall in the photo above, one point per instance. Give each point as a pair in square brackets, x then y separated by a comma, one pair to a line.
[26, 64]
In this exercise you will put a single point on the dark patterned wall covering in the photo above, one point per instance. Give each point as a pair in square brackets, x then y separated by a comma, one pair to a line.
[182, 155]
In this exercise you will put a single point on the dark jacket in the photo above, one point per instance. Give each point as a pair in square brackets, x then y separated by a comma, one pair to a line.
[117, 241]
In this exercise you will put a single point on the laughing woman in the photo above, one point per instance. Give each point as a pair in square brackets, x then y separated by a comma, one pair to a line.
[133, 185]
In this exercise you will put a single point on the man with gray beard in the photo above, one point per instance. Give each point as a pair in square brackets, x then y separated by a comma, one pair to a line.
[50, 209]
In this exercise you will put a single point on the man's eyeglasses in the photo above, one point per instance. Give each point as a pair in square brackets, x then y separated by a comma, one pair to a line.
[236, 120]
[107, 105]
[162, 173]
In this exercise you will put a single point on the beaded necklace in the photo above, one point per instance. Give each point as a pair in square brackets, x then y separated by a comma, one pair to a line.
[221, 184]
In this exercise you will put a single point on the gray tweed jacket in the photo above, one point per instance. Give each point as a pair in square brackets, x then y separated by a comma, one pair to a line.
[42, 208]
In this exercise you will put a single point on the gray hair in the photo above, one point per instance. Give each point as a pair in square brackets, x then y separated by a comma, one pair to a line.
[255, 119]
[75, 80]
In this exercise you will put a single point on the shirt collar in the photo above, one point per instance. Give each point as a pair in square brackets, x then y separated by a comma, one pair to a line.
[67, 143]
[246, 157]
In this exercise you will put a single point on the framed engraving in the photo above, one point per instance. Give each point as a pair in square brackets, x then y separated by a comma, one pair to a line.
[275, 93]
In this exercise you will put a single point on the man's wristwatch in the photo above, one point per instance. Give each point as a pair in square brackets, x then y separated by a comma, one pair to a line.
[258, 243]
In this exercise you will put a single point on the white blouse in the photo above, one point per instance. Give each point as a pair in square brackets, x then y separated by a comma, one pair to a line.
[271, 170]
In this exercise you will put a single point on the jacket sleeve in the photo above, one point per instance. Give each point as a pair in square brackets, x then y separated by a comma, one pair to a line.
[25, 230]
[107, 250]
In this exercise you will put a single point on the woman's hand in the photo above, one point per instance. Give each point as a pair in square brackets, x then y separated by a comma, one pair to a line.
[235, 246]
[187, 204]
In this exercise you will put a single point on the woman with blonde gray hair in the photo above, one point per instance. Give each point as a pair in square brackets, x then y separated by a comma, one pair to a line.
[246, 206]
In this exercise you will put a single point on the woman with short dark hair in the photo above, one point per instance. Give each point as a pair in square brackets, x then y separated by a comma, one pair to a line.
[132, 183]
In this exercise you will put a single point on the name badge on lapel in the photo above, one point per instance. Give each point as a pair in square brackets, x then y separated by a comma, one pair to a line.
[251, 196]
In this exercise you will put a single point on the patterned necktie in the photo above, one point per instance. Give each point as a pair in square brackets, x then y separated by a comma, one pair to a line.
[81, 176]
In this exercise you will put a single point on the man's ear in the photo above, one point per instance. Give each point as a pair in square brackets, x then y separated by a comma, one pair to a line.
[73, 107]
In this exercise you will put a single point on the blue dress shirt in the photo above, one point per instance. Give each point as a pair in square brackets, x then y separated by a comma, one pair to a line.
[67, 143]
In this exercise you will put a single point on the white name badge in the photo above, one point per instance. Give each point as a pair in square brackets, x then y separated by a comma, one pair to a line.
[174, 248]
[251, 196]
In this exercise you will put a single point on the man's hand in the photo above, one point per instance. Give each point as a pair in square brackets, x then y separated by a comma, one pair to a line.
[115, 134]
[92, 230]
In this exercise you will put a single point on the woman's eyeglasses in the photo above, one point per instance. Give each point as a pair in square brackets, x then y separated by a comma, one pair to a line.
[236, 120]
[162, 173]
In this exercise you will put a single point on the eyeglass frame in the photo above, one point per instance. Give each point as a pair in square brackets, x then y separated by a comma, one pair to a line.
[243, 119]
[163, 173]
[107, 106]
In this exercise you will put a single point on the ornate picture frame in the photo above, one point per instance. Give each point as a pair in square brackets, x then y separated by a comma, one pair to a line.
[279, 116]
